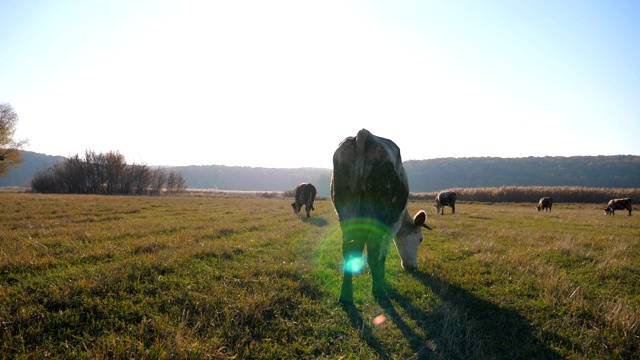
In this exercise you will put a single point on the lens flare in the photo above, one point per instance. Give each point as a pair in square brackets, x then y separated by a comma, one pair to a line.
[379, 319]
[354, 265]
[364, 227]
[327, 251]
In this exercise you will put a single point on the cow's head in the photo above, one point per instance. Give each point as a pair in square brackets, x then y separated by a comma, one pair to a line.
[437, 207]
[409, 237]
[608, 211]
[296, 208]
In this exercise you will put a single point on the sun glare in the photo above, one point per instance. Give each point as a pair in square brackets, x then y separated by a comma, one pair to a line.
[354, 265]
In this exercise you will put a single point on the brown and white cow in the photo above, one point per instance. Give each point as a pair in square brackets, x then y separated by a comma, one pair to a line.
[369, 190]
[445, 198]
[305, 194]
[618, 204]
[545, 203]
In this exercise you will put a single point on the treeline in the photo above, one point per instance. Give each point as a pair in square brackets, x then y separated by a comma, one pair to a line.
[621, 171]
[524, 194]
[432, 175]
[107, 174]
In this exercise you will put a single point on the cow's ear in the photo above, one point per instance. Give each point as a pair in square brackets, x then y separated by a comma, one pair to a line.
[420, 218]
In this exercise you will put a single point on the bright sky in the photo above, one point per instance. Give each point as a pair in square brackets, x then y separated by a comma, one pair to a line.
[281, 83]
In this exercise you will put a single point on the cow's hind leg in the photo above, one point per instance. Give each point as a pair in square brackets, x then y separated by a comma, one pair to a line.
[352, 254]
[377, 259]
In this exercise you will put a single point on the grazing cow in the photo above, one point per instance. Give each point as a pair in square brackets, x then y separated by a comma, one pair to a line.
[544, 204]
[618, 204]
[445, 198]
[305, 194]
[369, 190]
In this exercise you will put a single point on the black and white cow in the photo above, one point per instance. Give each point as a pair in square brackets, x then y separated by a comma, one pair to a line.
[445, 198]
[545, 203]
[369, 190]
[618, 204]
[305, 194]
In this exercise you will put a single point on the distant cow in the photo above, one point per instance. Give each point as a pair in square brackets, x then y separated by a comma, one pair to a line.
[369, 190]
[445, 198]
[618, 204]
[305, 194]
[545, 203]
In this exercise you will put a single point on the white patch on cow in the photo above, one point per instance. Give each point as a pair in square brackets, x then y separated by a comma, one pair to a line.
[408, 238]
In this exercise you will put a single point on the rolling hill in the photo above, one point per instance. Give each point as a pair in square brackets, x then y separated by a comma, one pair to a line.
[33, 162]
[620, 171]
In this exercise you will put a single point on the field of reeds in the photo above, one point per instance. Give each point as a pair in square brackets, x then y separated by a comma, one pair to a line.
[201, 276]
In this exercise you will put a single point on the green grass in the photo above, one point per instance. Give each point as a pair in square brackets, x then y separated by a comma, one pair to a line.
[200, 276]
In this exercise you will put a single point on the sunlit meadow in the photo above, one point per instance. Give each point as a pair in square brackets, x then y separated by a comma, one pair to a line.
[200, 276]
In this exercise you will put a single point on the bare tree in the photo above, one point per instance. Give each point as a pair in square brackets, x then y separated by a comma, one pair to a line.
[175, 182]
[180, 182]
[115, 166]
[140, 178]
[9, 146]
[158, 180]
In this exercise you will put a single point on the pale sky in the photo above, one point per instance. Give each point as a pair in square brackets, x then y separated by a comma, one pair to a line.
[281, 83]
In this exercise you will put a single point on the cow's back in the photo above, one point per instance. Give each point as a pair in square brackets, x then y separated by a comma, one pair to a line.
[447, 198]
[369, 179]
[305, 193]
[619, 204]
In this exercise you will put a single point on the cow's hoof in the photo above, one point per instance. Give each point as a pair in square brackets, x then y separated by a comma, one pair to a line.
[344, 301]
[384, 301]
[380, 296]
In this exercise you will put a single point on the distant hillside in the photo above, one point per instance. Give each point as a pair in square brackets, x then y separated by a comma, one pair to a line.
[249, 178]
[437, 174]
[32, 163]
[621, 171]
[424, 175]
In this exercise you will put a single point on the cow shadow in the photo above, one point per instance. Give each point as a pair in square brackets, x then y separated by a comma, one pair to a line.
[316, 221]
[358, 323]
[480, 217]
[463, 326]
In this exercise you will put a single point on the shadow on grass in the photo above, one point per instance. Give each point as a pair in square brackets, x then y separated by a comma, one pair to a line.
[461, 326]
[316, 221]
[357, 322]
[480, 217]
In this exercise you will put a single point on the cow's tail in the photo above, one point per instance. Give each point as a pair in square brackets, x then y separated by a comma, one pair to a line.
[361, 140]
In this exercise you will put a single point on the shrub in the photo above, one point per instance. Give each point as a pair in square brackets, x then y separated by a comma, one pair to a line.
[108, 174]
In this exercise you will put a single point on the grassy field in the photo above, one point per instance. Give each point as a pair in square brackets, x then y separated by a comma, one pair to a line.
[202, 276]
